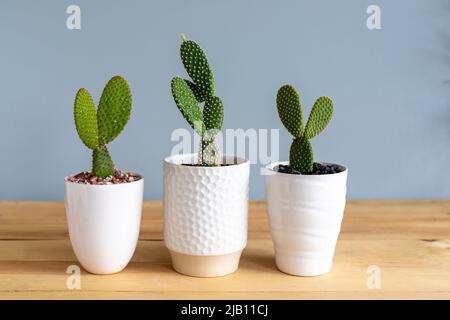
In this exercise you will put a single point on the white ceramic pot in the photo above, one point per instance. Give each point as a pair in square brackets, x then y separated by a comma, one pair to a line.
[205, 215]
[104, 222]
[305, 214]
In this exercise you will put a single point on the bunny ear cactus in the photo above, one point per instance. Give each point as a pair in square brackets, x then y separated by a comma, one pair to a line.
[200, 89]
[97, 128]
[291, 115]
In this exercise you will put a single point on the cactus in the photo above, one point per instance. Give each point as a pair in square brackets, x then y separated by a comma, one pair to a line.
[290, 112]
[188, 94]
[97, 128]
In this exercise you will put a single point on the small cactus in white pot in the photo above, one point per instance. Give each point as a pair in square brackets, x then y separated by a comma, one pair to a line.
[205, 194]
[305, 199]
[103, 205]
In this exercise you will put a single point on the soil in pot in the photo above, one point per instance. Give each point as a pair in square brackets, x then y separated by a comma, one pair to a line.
[318, 169]
[201, 165]
[119, 177]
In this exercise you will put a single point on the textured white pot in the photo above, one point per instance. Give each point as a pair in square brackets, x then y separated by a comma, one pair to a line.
[305, 214]
[104, 222]
[205, 215]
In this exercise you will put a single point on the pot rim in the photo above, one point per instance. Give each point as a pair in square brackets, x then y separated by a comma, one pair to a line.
[177, 161]
[271, 166]
[66, 181]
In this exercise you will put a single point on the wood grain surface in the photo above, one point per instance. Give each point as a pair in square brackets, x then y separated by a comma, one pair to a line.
[409, 240]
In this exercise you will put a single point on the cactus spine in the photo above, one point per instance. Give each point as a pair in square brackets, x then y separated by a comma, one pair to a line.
[97, 128]
[200, 89]
[291, 115]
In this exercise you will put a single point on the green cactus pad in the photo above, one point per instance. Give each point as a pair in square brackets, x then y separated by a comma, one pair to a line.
[102, 164]
[196, 65]
[290, 110]
[209, 153]
[86, 119]
[199, 95]
[320, 116]
[213, 113]
[301, 155]
[187, 104]
[188, 94]
[114, 109]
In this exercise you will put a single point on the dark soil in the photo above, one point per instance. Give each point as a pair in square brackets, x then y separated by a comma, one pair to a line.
[118, 178]
[318, 169]
[199, 165]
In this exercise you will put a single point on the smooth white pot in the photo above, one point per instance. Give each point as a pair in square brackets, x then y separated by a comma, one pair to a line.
[104, 222]
[305, 214]
[205, 215]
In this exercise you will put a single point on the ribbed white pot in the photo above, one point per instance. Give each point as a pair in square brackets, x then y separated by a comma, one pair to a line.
[205, 215]
[305, 214]
[104, 222]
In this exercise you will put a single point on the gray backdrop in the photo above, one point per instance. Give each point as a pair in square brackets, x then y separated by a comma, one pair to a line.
[391, 86]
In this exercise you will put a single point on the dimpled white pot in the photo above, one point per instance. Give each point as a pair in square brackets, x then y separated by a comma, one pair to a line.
[205, 215]
[104, 222]
[305, 214]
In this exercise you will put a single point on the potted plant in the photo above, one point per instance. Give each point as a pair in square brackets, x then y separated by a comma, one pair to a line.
[205, 195]
[306, 199]
[103, 206]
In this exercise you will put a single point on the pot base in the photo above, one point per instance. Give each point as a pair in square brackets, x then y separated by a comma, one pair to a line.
[303, 268]
[205, 266]
[103, 271]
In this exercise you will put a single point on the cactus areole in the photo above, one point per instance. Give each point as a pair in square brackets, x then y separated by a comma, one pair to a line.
[189, 94]
[290, 111]
[98, 127]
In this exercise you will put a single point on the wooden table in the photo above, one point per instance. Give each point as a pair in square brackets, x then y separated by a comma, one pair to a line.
[408, 240]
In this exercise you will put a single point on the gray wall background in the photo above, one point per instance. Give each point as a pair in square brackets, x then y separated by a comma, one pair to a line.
[391, 87]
